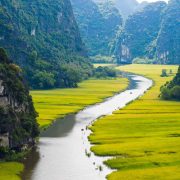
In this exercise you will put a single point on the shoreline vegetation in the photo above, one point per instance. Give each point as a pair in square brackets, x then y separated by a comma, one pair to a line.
[141, 138]
[55, 104]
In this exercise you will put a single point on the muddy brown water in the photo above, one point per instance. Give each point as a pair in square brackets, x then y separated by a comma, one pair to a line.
[63, 151]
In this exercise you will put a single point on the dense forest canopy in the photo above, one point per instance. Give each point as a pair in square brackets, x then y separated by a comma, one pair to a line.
[171, 90]
[168, 40]
[42, 37]
[17, 113]
[98, 24]
[153, 33]
[147, 32]
[125, 7]
[140, 32]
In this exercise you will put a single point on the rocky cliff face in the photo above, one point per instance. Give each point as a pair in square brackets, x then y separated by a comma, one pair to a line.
[168, 41]
[38, 25]
[18, 124]
[140, 32]
[41, 35]
[98, 24]
[152, 34]
[125, 7]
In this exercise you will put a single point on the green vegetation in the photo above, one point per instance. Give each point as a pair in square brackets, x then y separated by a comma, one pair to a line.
[102, 59]
[98, 24]
[10, 170]
[151, 34]
[143, 61]
[105, 72]
[142, 138]
[53, 104]
[164, 73]
[138, 38]
[171, 90]
[43, 39]
[125, 7]
[104, 65]
[18, 116]
[168, 49]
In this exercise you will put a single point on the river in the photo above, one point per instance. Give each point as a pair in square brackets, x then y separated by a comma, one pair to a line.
[63, 151]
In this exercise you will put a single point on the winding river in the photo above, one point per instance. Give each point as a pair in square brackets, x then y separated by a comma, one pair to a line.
[63, 151]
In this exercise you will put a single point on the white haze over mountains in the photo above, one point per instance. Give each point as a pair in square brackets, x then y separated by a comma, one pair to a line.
[127, 7]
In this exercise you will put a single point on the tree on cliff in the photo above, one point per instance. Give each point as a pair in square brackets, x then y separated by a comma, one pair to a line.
[17, 113]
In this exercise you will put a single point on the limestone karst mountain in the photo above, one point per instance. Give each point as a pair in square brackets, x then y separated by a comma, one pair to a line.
[42, 37]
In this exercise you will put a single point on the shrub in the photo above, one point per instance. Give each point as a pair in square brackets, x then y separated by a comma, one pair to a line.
[3, 56]
[165, 93]
[171, 90]
[175, 92]
[164, 73]
[44, 80]
[104, 72]
[139, 60]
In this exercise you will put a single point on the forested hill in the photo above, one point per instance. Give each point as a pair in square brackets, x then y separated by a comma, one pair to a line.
[140, 32]
[18, 124]
[125, 7]
[168, 41]
[152, 34]
[171, 90]
[42, 37]
[98, 25]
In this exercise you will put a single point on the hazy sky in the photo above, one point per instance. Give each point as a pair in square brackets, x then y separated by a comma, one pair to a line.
[151, 0]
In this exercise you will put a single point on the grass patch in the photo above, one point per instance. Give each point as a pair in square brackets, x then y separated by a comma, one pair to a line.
[142, 138]
[53, 104]
[10, 170]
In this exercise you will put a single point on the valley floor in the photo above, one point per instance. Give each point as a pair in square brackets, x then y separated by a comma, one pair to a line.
[142, 138]
[54, 104]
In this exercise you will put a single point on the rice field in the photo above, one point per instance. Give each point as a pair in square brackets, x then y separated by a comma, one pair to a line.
[10, 170]
[54, 104]
[143, 138]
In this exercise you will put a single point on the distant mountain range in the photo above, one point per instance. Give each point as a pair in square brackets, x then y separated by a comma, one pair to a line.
[98, 24]
[149, 31]
[152, 33]
[125, 7]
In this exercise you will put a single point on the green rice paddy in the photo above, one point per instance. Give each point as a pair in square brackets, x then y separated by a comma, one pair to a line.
[143, 138]
[10, 170]
[54, 104]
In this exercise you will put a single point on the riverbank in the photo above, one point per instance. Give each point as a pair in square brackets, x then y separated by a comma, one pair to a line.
[55, 104]
[142, 138]
[65, 144]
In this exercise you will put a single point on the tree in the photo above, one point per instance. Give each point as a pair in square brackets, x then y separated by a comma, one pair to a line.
[175, 92]
[164, 73]
[3, 56]
[171, 90]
